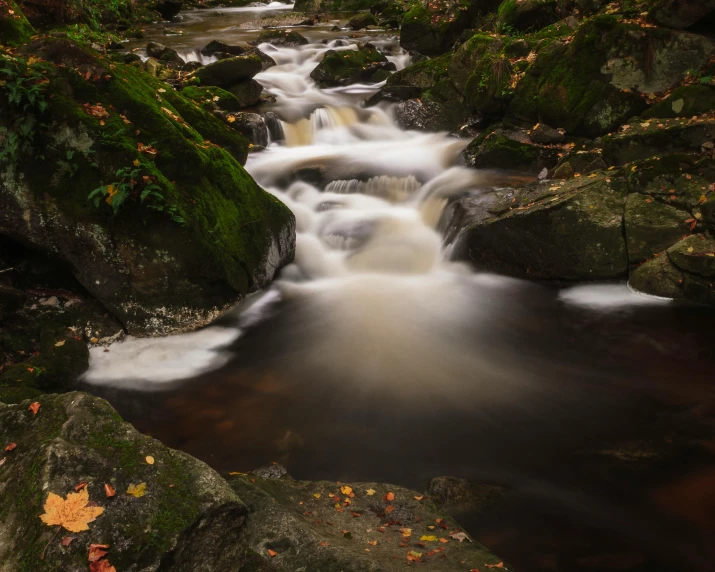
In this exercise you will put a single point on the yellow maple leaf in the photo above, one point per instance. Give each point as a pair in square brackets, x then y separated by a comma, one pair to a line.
[429, 538]
[111, 191]
[71, 513]
[370, 492]
[346, 490]
[137, 490]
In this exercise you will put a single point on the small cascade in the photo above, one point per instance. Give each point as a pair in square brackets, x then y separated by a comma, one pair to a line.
[274, 126]
[392, 189]
[306, 131]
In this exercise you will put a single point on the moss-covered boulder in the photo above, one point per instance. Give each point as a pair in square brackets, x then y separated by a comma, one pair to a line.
[652, 225]
[597, 81]
[681, 13]
[210, 96]
[571, 230]
[219, 47]
[527, 15]
[351, 527]
[187, 518]
[289, 38]
[685, 101]
[247, 93]
[343, 67]
[228, 72]
[14, 27]
[136, 188]
[511, 149]
[686, 271]
[332, 6]
[362, 20]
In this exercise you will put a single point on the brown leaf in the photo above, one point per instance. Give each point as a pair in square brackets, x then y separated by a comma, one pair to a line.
[419, 497]
[272, 553]
[80, 486]
[34, 407]
[67, 540]
[101, 566]
[109, 490]
[389, 509]
[10, 446]
[356, 514]
[96, 552]
[71, 513]
[500, 565]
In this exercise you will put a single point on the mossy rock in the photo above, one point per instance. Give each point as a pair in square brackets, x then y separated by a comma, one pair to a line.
[14, 27]
[502, 148]
[172, 261]
[228, 72]
[567, 231]
[299, 521]
[208, 96]
[685, 101]
[597, 82]
[344, 67]
[525, 15]
[332, 6]
[362, 20]
[247, 93]
[289, 38]
[680, 13]
[188, 518]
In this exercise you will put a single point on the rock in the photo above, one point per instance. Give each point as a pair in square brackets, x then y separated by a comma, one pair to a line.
[14, 27]
[163, 54]
[235, 49]
[651, 226]
[639, 141]
[10, 300]
[593, 84]
[658, 277]
[283, 19]
[289, 38]
[572, 231]
[331, 6]
[228, 72]
[315, 536]
[188, 518]
[511, 149]
[173, 262]
[274, 125]
[274, 471]
[432, 28]
[190, 67]
[158, 70]
[685, 101]
[546, 135]
[423, 115]
[247, 93]
[525, 15]
[680, 13]
[460, 495]
[362, 20]
[168, 9]
[266, 60]
[212, 96]
[252, 126]
[345, 67]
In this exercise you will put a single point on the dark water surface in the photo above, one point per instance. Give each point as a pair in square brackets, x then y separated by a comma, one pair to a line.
[383, 363]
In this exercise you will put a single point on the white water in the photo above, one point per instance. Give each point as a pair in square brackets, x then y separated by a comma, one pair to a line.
[380, 300]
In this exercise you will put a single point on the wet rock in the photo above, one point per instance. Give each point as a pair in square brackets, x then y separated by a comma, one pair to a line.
[503, 147]
[247, 93]
[187, 519]
[151, 264]
[252, 126]
[289, 38]
[163, 54]
[10, 300]
[266, 60]
[274, 471]
[211, 97]
[280, 20]
[228, 72]
[546, 135]
[332, 6]
[168, 9]
[685, 101]
[460, 495]
[234, 49]
[422, 115]
[525, 15]
[572, 230]
[158, 70]
[362, 20]
[345, 67]
[680, 13]
[190, 67]
[594, 83]
[274, 125]
[299, 521]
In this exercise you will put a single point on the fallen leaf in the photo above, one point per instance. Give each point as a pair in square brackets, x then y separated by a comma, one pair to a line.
[109, 490]
[231, 118]
[137, 490]
[419, 497]
[372, 542]
[413, 556]
[406, 532]
[389, 497]
[67, 540]
[10, 446]
[72, 513]
[500, 565]
[461, 536]
[430, 538]
[60, 344]
[34, 407]
[389, 509]
[346, 490]
[2, 461]
[370, 492]
[272, 553]
[316, 495]
[80, 486]
[356, 514]
[325, 543]
[94, 340]
[443, 540]
[150, 460]
[97, 552]
[101, 566]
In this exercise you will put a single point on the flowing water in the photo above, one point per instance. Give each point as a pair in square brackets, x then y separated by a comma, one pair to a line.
[376, 357]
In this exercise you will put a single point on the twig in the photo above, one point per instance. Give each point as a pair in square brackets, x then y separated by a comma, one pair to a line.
[48, 543]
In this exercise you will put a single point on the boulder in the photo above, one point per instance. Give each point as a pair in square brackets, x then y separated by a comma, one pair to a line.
[509, 148]
[228, 72]
[166, 56]
[252, 126]
[545, 135]
[14, 27]
[571, 230]
[298, 522]
[423, 115]
[185, 516]
[525, 15]
[168, 9]
[247, 93]
[362, 20]
[331, 6]
[596, 82]
[345, 67]
[681, 13]
[652, 225]
[234, 49]
[212, 96]
[685, 101]
[266, 60]
[289, 38]
[132, 197]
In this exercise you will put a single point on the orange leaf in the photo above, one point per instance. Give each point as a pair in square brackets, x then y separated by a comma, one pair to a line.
[96, 552]
[272, 553]
[34, 407]
[80, 486]
[72, 513]
[389, 497]
[389, 509]
[109, 490]
[10, 446]
[419, 498]
[500, 565]
[101, 566]
[356, 514]
[67, 540]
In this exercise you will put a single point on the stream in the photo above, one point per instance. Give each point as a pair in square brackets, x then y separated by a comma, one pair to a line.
[376, 357]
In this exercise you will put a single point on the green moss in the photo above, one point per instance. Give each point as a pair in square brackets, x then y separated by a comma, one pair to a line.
[685, 101]
[14, 27]
[18, 394]
[207, 96]
[348, 66]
